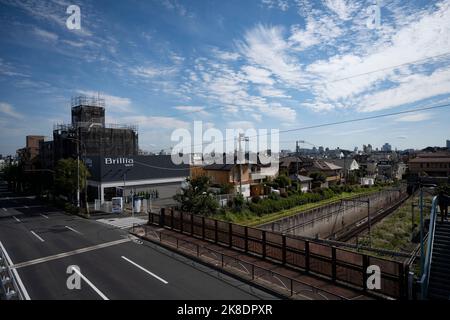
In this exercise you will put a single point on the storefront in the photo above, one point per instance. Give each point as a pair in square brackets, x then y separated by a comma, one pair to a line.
[154, 175]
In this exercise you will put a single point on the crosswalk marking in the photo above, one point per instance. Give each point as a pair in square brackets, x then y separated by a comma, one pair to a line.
[123, 223]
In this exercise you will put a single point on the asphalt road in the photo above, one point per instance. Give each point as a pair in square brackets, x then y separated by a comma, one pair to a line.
[43, 243]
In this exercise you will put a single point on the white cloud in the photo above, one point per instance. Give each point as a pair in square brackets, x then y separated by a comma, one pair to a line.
[153, 71]
[318, 31]
[226, 55]
[413, 88]
[160, 122]
[271, 92]
[258, 75]
[46, 35]
[415, 117]
[192, 109]
[283, 5]
[266, 48]
[117, 103]
[427, 34]
[243, 125]
[8, 110]
[343, 8]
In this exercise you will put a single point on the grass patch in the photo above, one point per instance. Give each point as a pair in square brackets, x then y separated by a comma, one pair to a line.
[249, 218]
[395, 232]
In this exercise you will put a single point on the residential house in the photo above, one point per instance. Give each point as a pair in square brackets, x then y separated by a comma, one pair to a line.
[293, 164]
[332, 172]
[304, 181]
[239, 175]
[347, 164]
[434, 164]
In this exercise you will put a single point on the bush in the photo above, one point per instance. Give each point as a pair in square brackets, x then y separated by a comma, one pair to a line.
[256, 199]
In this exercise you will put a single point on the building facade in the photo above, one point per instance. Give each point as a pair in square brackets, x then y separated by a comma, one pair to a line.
[113, 176]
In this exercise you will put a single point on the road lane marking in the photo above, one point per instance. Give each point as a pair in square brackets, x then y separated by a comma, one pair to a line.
[90, 284]
[26, 207]
[69, 253]
[72, 229]
[34, 233]
[145, 270]
[16, 219]
[4, 209]
[44, 216]
[16, 274]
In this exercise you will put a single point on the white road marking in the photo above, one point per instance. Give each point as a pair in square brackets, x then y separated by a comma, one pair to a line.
[4, 209]
[145, 270]
[16, 274]
[72, 229]
[34, 233]
[91, 284]
[26, 207]
[16, 219]
[44, 216]
[68, 254]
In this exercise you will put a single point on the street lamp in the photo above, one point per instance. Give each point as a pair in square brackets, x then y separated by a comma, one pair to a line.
[422, 244]
[78, 167]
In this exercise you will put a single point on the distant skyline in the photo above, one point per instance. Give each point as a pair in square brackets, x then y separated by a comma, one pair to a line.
[161, 64]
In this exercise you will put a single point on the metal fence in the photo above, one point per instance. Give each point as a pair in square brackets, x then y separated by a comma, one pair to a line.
[327, 261]
[9, 288]
[276, 281]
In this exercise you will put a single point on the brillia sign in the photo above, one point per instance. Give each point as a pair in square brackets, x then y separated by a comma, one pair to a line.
[127, 162]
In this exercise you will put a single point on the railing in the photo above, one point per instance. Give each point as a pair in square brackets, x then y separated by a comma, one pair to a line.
[338, 265]
[424, 280]
[247, 270]
[10, 289]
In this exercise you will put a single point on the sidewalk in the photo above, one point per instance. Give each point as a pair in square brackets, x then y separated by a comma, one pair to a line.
[285, 281]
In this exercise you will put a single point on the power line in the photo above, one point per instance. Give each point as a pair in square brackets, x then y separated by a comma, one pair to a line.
[321, 84]
[338, 122]
[386, 68]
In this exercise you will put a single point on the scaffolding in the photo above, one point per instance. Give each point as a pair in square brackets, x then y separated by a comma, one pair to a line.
[87, 101]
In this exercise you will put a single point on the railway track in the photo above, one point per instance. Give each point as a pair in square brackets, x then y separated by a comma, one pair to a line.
[363, 224]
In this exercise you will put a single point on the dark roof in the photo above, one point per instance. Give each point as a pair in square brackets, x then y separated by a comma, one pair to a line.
[219, 167]
[324, 165]
[286, 161]
[300, 178]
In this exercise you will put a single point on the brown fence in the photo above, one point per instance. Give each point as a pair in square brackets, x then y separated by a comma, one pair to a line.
[336, 264]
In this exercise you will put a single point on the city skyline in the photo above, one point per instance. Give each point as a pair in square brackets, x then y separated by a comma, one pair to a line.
[163, 64]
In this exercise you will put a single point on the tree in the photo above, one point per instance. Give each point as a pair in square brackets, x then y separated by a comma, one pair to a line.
[318, 177]
[226, 188]
[66, 172]
[196, 198]
[283, 181]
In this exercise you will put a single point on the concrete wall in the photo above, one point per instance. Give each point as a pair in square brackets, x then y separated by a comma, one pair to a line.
[326, 221]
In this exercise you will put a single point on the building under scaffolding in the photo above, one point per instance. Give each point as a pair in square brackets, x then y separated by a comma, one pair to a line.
[89, 133]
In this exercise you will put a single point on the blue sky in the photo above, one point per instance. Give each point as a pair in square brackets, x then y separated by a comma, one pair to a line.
[161, 64]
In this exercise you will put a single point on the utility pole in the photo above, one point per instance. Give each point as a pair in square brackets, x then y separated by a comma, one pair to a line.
[78, 173]
[369, 223]
[241, 137]
[422, 245]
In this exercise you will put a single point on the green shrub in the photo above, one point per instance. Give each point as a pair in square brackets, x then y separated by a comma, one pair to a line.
[256, 199]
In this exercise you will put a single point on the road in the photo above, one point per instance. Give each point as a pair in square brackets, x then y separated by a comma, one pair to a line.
[43, 242]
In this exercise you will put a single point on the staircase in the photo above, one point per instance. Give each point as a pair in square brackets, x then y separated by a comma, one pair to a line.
[439, 283]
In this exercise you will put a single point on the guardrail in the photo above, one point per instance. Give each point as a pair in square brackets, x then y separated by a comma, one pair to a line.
[424, 280]
[342, 266]
[285, 285]
[10, 289]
